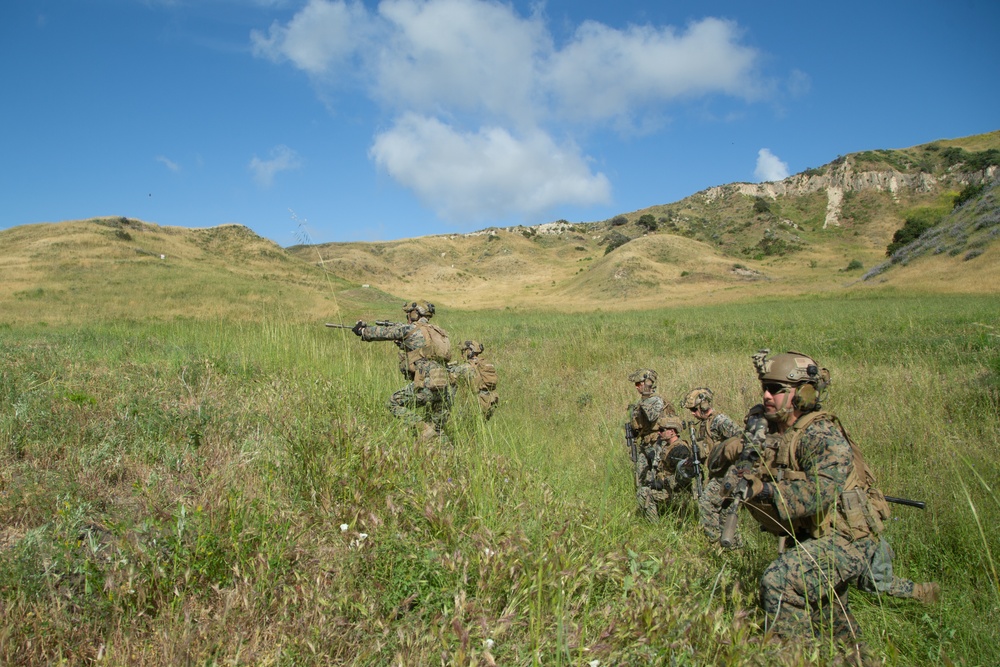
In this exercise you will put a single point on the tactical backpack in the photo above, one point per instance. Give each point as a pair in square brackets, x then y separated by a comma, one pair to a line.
[487, 375]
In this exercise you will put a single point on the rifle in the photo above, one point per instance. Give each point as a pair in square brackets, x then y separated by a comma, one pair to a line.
[740, 496]
[919, 504]
[378, 323]
[732, 510]
[633, 452]
[697, 463]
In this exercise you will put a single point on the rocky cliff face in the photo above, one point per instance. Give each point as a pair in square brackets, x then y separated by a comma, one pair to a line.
[840, 177]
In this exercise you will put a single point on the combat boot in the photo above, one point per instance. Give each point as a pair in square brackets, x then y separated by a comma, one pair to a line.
[927, 592]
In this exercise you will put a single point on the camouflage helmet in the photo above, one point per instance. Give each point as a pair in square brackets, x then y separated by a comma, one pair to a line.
[473, 346]
[670, 421]
[699, 398]
[423, 308]
[790, 368]
[643, 375]
[797, 370]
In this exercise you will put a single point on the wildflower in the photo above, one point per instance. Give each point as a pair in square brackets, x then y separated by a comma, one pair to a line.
[343, 527]
[489, 644]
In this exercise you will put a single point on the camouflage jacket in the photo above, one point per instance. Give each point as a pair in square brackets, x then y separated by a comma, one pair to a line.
[807, 488]
[643, 416]
[412, 339]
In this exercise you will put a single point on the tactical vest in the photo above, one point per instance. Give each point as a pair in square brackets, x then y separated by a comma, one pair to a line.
[644, 416]
[857, 513]
[437, 346]
[427, 363]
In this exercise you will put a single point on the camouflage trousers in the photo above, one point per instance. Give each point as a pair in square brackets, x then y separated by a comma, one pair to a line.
[804, 591]
[649, 499]
[879, 577]
[710, 511]
[415, 404]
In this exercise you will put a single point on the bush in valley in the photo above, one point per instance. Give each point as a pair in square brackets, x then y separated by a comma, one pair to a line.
[854, 265]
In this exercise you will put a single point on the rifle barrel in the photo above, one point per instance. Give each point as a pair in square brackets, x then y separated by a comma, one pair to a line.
[919, 504]
[338, 326]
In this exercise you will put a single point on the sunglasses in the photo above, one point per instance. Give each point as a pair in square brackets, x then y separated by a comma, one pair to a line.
[775, 388]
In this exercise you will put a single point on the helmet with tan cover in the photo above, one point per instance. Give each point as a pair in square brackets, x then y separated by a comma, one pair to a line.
[699, 398]
[793, 369]
[644, 375]
[474, 347]
[423, 308]
[669, 422]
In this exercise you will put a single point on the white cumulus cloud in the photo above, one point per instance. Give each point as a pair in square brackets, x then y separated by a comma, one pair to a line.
[770, 167]
[485, 174]
[497, 89]
[282, 158]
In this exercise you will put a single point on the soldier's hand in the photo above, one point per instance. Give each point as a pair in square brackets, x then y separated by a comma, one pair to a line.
[757, 489]
[358, 328]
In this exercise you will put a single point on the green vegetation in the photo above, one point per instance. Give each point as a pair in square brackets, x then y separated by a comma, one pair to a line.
[648, 222]
[173, 492]
[916, 222]
[615, 240]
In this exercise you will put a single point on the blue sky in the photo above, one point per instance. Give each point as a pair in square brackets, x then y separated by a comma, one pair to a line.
[325, 120]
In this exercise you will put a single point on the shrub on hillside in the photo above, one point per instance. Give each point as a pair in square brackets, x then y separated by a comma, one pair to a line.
[647, 220]
[619, 220]
[918, 222]
[970, 191]
[615, 240]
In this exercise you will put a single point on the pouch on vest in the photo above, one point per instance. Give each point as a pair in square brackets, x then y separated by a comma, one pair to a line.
[487, 375]
[436, 378]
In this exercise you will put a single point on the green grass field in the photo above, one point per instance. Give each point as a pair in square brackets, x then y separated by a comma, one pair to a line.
[234, 491]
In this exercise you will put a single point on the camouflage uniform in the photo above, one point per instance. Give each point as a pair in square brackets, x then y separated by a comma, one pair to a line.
[812, 484]
[425, 402]
[729, 443]
[480, 375]
[659, 463]
[643, 417]
[805, 588]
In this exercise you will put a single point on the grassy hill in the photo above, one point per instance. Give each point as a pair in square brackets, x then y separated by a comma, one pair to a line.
[192, 472]
[818, 231]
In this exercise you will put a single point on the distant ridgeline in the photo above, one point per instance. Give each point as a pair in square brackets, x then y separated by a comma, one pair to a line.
[757, 220]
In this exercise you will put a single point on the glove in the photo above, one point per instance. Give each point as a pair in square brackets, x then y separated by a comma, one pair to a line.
[685, 469]
[757, 489]
[358, 328]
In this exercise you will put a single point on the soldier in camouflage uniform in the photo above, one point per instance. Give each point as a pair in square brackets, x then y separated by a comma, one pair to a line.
[719, 441]
[813, 486]
[660, 480]
[424, 351]
[479, 374]
[643, 417]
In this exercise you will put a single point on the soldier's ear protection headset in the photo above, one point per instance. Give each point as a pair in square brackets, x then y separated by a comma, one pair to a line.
[812, 392]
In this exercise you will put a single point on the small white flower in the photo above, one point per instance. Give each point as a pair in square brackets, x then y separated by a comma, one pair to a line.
[362, 536]
[343, 527]
[488, 552]
[490, 644]
[594, 663]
